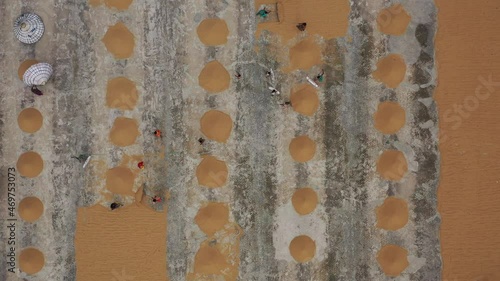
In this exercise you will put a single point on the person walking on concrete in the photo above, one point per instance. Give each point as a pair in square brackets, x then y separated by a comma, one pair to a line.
[157, 133]
[321, 76]
[156, 199]
[83, 159]
[286, 104]
[274, 91]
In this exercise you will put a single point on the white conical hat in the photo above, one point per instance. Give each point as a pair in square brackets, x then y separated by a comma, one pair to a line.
[37, 74]
[29, 28]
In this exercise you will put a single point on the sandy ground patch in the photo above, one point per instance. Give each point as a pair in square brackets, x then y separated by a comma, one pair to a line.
[391, 70]
[214, 77]
[392, 165]
[393, 20]
[128, 242]
[213, 32]
[124, 131]
[212, 172]
[302, 148]
[217, 258]
[212, 217]
[120, 180]
[121, 93]
[389, 118]
[30, 120]
[31, 261]
[305, 99]
[468, 193]
[392, 214]
[304, 55]
[216, 125]
[393, 260]
[30, 209]
[30, 164]
[327, 18]
[119, 41]
[304, 200]
[302, 248]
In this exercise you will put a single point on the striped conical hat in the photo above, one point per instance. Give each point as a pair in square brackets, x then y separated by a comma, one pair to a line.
[37, 74]
[29, 28]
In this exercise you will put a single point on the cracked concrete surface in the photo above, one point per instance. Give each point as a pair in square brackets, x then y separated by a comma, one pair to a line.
[167, 59]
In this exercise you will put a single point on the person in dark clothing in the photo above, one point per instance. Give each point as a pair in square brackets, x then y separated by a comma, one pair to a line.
[36, 91]
[286, 104]
[115, 205]
[81, 158]
[201, 141]
[302, 26]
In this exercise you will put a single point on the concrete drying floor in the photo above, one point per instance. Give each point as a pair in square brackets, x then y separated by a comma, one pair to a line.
[165, 65]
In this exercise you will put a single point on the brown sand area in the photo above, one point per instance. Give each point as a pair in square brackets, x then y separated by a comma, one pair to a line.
[121, 93]
[392, 214]
[124, 131]
[218, 256]
[392, 165]
[305, 100]
[213, 32]
[302, 248]
[304, 55]
[30, 164]
[119, 41]
[121, 5]
[31, 261]
[30, 209]
[214, 78]
[327, 18]
[393, 20]
[24, 66]
[389, 118]
[216, 125]
[129, 242]
[304, 200]
[212, 217]
[120, 180]
[209, 260]
[30, 120]
[469, 66]
[212, 172]
[393, 260]
[302, 149]
[391, 70]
